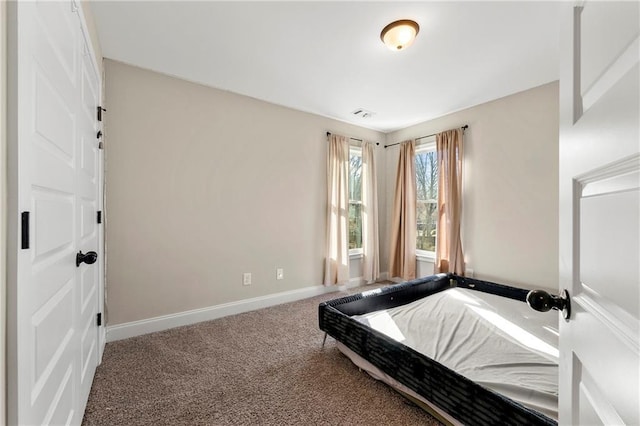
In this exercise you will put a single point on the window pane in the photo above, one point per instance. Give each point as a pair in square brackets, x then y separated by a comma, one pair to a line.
[427, 216]
[427, 176]
[355, 199]
[427, 200]
[355, 225]
[355, 177]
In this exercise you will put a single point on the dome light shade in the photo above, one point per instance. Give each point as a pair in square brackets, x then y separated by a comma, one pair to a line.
[400, 34]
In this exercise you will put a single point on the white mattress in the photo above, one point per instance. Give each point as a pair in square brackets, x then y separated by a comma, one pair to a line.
[497, 342]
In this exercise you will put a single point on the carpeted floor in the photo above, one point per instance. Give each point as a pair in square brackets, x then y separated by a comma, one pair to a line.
[264, 367]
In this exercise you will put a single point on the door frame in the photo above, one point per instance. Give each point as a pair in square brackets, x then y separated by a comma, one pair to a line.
[102, 334]
[12, 212]
[3, 203]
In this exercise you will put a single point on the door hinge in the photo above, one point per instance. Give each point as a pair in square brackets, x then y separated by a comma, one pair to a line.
[99, 216]
[99, 319]
[25, 231]
[99, 135]
[100, 109]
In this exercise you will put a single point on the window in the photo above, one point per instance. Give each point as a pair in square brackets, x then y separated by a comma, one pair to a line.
[355, 200]
[427, 197]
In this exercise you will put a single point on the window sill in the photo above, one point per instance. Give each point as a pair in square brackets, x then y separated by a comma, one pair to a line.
[426, 256]
[355, 254]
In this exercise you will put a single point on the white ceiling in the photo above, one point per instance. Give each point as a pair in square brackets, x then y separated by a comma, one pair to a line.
[327, 58]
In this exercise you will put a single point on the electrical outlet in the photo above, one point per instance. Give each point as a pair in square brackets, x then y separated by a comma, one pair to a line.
[279, 274]
[468, 272]
[246, 278]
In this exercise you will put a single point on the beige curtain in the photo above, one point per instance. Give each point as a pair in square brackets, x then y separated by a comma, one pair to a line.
[402, 262]
[370, 246]
[449, 257]
[336, 269]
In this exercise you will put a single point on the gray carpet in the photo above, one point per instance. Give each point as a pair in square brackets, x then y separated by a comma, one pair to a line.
[264, 367]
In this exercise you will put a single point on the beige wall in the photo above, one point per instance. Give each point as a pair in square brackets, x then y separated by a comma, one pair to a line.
[203, 185]
[510, 212]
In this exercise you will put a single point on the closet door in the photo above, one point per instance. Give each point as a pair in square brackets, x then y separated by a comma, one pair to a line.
[53, 331]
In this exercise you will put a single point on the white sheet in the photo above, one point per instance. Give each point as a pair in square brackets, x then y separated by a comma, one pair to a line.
[497, 342]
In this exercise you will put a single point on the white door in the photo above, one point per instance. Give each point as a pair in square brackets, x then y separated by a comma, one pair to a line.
[600, 214]
[54, 347]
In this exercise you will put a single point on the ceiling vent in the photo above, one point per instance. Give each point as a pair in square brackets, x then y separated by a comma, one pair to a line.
[363, 113]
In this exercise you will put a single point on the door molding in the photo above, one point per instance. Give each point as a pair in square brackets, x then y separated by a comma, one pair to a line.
[619, 176]
[3, 201]
[614, 72]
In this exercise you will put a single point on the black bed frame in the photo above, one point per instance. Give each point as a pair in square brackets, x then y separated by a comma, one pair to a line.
[463, 399]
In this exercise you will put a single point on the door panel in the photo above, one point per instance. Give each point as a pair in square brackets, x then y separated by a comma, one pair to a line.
[599, 53]
[51, 345]
[52, 276]
[54, 120]
[87, 220]
[51, 367]
[594, 407]
[59, 28]
[88, 345]
[608, 294]
[600, 214]
[62, 410]
[46, 159]
[88, 158]
[89, 88]
[47, 239]
[604, 363]
[88, 289]
[609, 236]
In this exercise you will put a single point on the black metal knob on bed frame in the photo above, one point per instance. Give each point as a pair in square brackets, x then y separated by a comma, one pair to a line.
[542, 301]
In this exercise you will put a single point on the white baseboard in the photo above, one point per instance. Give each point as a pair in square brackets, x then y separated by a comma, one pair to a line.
[354, 282]
[164, 322]
[360, 281]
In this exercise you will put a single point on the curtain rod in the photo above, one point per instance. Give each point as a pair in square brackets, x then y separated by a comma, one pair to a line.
[465, 127]
[353, 139]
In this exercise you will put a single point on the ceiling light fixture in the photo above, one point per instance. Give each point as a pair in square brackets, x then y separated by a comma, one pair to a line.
[400, 34]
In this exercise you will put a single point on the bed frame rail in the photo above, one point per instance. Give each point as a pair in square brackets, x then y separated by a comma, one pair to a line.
[389, 297]
[489, 287]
